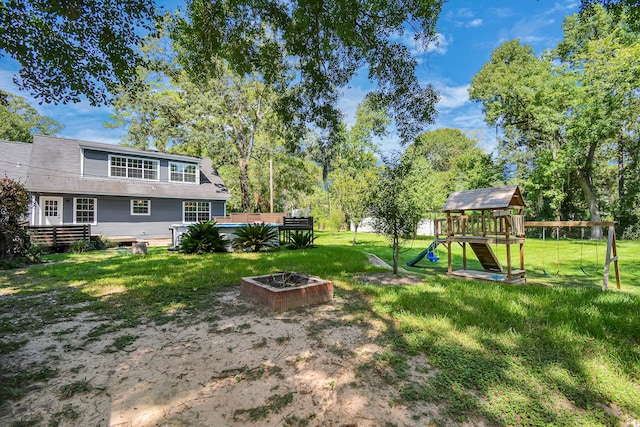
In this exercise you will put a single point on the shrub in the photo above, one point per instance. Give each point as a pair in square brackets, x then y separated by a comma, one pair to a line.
[81, 246]
[256, 237]
[301, 240]
[201, 238]
[101, 243]
[14, 240]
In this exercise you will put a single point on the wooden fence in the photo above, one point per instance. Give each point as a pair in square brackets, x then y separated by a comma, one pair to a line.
[248, 218]
[59, 235]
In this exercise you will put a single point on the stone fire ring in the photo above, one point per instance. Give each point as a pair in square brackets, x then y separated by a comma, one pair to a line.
[308, 290]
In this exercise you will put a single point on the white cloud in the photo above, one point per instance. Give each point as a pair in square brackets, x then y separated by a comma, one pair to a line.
[453, 97]
[440, 44]
[563, 7]
[475, 23]
[417, 47]
[351, 97]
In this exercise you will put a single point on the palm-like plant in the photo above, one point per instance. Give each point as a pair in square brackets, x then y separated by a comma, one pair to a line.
[256, 236]
[203, 237]
[301, 240]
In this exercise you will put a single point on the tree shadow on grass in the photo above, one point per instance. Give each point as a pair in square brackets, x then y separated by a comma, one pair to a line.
[561, 356]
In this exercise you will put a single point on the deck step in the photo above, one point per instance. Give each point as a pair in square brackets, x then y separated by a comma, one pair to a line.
[486, 256]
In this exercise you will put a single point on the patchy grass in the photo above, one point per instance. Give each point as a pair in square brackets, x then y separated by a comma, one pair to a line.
[557, 351]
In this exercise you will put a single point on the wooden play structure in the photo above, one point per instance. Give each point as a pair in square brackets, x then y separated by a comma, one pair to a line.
[489, 220]
[481, 220]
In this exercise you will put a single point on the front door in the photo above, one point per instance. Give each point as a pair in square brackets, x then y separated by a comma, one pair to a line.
[51, 208]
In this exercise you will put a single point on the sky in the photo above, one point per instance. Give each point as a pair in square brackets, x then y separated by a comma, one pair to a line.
[468, 32]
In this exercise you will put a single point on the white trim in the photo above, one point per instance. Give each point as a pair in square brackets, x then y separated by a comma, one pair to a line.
[127, 151]
[156, 161]
[95, 210]
[194, 201]
[140, 214]
[41, 211]
[184, 164]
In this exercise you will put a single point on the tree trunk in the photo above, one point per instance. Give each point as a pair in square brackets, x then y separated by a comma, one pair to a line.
[244, 185]
[620, 165]
[355, 232]
[396, 253]
[584, 178]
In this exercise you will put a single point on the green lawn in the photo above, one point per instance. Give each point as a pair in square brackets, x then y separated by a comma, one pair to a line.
[557, 351]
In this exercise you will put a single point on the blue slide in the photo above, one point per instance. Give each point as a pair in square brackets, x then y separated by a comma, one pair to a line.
[428, 253]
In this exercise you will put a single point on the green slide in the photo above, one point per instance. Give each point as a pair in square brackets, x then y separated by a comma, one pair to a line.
[424, 253]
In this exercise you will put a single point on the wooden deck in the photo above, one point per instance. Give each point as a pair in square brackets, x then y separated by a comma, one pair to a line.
[517, 276]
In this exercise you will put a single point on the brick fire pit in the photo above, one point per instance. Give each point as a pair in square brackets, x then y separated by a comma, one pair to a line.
[287, 290]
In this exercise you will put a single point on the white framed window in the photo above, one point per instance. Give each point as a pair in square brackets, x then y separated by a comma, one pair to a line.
[196, 211]
[140, 207]
[84, 210]
[183, 172]
[132, 167]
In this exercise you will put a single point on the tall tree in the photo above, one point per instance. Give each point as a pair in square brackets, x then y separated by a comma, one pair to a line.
[19, 121]
[354, 172]
[322, 44]
[73, 49]
[221, 117]
[447, 160]
[568, 106]
[394, 211]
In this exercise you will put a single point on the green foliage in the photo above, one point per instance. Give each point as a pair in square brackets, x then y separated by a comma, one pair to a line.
[354, 177]
[326, 43]
[226, 116]
[19, 121]
[14, 240]
[256, 237]
[101, 243]
[395, 212]
[81, 246]
[68, 51]
[202, 238]
[446, 160]
[568, 115]
[301, 240]
[96, 243]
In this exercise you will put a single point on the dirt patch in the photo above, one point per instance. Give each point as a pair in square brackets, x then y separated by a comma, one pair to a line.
[308, 367]
[389, 279]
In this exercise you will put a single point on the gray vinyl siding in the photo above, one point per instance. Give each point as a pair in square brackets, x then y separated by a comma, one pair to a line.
[114, 215]
[96, 164]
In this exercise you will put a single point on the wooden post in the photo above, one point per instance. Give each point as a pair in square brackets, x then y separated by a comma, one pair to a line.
[507, 232]
[464, 255]
[271, 184]
[449, 234]
[484, 225]
[611, 246]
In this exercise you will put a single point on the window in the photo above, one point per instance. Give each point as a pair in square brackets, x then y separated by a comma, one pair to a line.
[140, 207]
[196, 211]
[183, 172]
[84, 211]
[130, 167]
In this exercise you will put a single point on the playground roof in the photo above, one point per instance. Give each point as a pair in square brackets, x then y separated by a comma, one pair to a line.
[484, 199]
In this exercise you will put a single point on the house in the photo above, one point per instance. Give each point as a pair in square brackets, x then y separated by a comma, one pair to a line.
[120, 191]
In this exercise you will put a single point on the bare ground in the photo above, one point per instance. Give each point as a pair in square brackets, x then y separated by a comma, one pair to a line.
[318, 366]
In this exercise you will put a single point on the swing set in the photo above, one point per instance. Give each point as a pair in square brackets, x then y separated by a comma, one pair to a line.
[611, 253]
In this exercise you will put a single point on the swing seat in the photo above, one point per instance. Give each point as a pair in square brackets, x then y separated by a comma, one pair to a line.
[432, 257]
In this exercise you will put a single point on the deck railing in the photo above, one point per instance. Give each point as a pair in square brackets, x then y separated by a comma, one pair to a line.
[481, 225]
[59, 235]
[248, 218]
